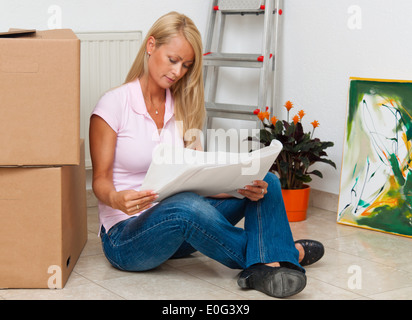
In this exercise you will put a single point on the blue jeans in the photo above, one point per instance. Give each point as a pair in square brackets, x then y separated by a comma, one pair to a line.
[186, 222]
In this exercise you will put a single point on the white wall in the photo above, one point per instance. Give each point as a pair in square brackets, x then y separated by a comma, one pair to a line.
[97, 15]
[319, 51]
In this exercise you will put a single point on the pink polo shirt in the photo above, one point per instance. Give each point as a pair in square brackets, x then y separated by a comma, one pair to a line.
[124, 109]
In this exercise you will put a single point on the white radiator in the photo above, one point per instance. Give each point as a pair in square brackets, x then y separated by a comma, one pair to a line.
[105, 60]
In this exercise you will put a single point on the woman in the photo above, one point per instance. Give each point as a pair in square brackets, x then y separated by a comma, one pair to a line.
[163, 87]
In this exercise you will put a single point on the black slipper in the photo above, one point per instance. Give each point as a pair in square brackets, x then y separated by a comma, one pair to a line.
[279, 282]
[314, 250]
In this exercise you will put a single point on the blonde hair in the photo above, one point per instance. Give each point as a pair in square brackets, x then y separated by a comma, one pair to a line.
[188, 92]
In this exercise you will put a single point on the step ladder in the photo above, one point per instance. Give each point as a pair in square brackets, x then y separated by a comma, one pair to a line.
[265, 60]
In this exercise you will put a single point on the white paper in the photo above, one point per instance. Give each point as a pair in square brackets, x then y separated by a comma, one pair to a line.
[175, 170]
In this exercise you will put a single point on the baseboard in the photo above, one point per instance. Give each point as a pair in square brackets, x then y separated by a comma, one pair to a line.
[324, 200]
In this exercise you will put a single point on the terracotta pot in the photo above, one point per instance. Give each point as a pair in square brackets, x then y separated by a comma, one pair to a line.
[296, 203]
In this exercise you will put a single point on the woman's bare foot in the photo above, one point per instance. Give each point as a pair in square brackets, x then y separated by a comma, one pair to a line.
[301, 251]
[273, 264]
[301, 255]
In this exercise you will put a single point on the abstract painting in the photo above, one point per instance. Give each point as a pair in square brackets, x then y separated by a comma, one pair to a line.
[376, 179]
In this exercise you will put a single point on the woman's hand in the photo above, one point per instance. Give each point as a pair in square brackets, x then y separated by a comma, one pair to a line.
[131, 201]
[256, 191]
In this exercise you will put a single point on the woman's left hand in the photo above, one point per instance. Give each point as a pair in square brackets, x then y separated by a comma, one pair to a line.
[256, 191]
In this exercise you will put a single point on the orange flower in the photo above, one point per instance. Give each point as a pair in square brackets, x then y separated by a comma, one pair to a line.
[274, 120]
[301, 114]
[296, 119]
[288, 105]
[263, 115]
[315, 124]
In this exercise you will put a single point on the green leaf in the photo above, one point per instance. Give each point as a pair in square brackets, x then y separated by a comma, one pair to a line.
[305, 161]
[327, 161]
[316, 173]
[305, 178]
[265, 136]
[278, 128]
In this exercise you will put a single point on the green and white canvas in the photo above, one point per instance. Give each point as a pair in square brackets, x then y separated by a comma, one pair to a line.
[376, 178]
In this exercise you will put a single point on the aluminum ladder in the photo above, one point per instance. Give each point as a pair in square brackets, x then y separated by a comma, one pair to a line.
[266, 61]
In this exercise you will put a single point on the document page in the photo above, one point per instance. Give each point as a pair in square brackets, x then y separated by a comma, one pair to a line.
[175, 170]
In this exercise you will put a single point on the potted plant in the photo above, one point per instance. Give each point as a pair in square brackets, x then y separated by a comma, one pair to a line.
[300, 151]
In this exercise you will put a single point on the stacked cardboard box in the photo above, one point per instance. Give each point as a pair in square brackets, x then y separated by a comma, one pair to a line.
[42, 176]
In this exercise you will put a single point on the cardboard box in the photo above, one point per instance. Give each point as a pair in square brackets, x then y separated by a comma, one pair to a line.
[39, 98]
[43, 226]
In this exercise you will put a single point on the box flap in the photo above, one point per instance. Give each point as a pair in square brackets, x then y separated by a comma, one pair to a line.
[54, 34]
[13, 32]
[57, 34]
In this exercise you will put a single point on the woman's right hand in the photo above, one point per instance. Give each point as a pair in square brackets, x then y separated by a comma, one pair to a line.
[131, 201]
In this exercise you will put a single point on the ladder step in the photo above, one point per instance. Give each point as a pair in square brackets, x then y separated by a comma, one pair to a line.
[245, 60]
[241, 11]
[232, 111]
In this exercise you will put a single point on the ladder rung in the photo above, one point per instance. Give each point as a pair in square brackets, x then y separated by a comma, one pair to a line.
[246, 60]
[235, 116]
[260, 10]
[242, 12]
[230, 109]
